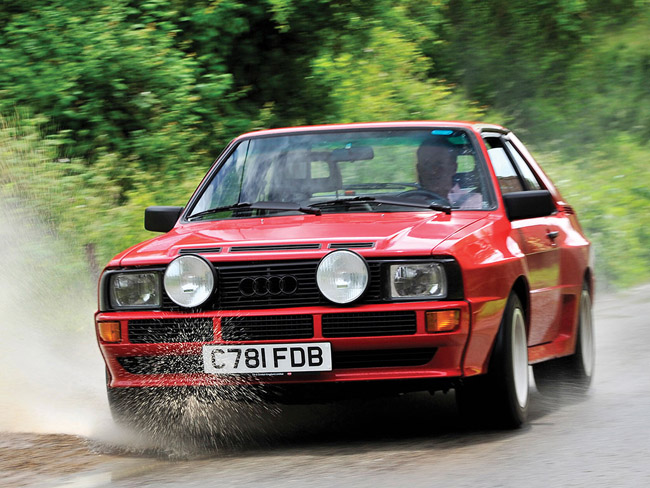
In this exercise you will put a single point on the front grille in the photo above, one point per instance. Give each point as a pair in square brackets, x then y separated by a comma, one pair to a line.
[170, 330]
[369, 324]
[382, 358]
[232, 298]
[254, 328]
[237, 296]
[237, 285]
[385, 358]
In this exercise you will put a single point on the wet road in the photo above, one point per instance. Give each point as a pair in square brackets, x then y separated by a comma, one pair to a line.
[415, 440]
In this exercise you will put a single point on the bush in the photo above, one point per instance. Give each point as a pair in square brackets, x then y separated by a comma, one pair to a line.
[84, 205]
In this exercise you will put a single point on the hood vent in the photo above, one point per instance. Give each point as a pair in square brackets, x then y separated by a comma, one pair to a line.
[352, 245]
[199, 250]
[275, 247]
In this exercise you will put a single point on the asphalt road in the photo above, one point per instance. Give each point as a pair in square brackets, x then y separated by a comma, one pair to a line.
[414, 440]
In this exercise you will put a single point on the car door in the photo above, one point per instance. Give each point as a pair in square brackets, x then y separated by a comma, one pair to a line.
[539, 238]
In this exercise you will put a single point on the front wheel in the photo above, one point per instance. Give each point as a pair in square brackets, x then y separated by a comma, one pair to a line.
[501, 396]
[126, 405]
[571, 374]
[144, 409]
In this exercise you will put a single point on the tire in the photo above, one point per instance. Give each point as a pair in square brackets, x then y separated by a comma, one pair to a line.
[124, 404]
[500, 397]
[571, 375]
[143, 409]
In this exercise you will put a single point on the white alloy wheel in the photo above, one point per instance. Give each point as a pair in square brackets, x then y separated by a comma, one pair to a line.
[571, 375]
[587, 351]
[519, 357]
[500, 397]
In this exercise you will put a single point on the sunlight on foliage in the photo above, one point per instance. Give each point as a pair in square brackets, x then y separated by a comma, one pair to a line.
[113, 105]
[386, 80]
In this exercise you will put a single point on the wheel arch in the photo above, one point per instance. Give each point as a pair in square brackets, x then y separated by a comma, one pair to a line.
[589, 279]
[522, 290]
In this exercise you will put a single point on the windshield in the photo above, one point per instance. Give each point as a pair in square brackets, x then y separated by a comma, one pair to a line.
[347, 171]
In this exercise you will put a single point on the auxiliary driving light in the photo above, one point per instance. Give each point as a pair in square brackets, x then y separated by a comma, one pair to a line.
[342, 276]
[109, 331]
[189, 280]
[442, 320]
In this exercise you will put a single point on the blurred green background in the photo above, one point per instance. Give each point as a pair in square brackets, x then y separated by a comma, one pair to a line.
[109, 106]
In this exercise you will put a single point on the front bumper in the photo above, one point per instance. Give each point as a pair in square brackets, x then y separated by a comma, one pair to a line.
[365, 352]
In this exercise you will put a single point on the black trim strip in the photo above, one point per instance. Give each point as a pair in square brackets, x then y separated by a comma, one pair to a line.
[351, 245]
[275, 247]
[199, 250]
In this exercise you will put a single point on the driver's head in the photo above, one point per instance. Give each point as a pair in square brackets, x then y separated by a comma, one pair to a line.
[437, 165]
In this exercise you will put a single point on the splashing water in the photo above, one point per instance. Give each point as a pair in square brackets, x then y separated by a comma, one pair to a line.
[51, 374]
[51, 371]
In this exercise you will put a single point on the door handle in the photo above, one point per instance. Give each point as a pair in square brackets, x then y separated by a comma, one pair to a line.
[552, 235]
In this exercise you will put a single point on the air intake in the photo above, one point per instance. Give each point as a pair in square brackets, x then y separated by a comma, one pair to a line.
[275, 247]
[200, 250]
[352, 245]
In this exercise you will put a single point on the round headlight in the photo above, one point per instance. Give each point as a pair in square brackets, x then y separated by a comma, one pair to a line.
[189, 281]
[342, 276]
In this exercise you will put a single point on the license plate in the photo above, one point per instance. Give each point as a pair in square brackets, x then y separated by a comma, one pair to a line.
[267, 358]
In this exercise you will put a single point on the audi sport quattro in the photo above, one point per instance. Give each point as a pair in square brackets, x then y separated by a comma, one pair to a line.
[315, 263]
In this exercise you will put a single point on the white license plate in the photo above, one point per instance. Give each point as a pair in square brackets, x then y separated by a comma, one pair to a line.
[267, 358]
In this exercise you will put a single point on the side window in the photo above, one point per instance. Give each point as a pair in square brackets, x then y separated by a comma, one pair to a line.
[504, 169]
[524, 169]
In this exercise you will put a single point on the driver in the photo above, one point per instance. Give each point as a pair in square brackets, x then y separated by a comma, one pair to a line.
[436, 168]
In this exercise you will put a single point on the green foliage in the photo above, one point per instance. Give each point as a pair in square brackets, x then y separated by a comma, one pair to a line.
[613, 203]
[132, 100]
[598, 132]
[385, 79]
[570, 77]
[83, 204]
[503, 52]
[110, 82]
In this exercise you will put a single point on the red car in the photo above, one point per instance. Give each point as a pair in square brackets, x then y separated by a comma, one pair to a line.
[315, 263]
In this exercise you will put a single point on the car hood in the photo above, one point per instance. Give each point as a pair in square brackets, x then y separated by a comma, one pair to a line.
[303, 236]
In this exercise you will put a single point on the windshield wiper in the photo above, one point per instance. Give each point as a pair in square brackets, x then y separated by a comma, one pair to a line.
[386, 201]
[288, 206]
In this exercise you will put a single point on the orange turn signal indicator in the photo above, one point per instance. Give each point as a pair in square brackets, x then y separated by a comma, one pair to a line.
[441, 320]
[109, 331]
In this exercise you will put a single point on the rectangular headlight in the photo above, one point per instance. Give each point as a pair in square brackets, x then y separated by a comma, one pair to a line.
[135, 290]
[418, 280]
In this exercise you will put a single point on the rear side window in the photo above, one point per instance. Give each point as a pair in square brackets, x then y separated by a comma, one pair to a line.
[524, 170]
[512, 171]
[504, 169]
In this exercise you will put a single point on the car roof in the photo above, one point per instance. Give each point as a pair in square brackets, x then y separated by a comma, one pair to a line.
[416, 124]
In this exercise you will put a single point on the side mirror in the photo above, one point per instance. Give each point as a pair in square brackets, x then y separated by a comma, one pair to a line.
[161, 219]
[529, 204]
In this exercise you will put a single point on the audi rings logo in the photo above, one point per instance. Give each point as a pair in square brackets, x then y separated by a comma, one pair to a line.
[268, 285]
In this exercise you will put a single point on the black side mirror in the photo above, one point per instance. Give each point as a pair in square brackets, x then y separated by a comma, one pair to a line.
[161, 219]
[529, 204]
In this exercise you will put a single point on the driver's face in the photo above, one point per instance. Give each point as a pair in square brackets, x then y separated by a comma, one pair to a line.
[436, 168]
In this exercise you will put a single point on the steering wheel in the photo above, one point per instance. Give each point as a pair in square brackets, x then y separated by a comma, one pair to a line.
[423, 194]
